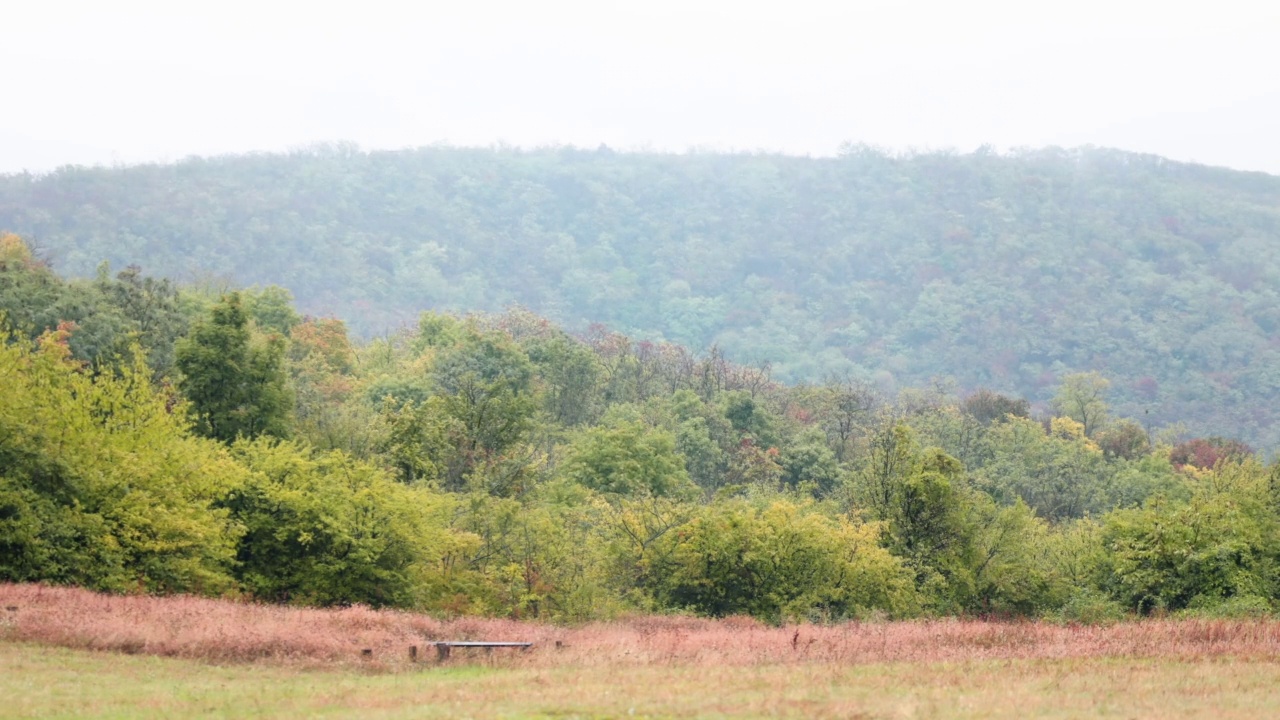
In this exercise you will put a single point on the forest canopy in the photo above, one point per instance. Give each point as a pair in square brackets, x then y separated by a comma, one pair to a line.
[1009, 272]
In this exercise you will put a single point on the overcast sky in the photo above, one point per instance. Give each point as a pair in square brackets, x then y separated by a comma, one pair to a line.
[127, 81]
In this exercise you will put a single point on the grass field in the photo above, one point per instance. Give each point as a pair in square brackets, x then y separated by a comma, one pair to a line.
[70, 653]
[44, 682]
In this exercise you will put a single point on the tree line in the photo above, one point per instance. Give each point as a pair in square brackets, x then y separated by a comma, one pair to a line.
[158, 438]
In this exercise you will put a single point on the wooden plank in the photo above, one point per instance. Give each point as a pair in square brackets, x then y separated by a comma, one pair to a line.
[480, 644]
[443, 647]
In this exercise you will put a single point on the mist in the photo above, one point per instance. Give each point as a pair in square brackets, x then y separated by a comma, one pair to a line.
[134, 82]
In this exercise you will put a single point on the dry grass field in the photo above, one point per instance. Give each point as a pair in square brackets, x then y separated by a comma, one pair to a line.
[71, 653]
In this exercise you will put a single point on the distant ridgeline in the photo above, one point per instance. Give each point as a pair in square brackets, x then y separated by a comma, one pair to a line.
[1005, 271]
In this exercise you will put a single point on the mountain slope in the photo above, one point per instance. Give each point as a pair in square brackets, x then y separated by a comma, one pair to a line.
[1004, 271]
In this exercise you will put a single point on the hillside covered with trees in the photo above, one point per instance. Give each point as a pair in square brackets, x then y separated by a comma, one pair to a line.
[163, 438]
[1002, 271]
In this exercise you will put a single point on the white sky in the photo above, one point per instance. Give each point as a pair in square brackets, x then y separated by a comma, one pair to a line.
[129, 81]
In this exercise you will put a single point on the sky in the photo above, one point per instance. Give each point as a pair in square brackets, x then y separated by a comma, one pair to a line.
[127, 81]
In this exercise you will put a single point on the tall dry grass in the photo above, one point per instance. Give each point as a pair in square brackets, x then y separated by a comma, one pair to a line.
[222, 631]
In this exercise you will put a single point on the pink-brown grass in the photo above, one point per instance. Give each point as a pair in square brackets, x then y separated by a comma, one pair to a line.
[226, 632]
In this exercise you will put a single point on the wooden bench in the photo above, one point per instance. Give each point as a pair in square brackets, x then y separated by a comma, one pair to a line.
[444, 647]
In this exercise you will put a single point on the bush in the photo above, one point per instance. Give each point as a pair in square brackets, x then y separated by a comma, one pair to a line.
[325, 529]
[778, 562]
[1091, 607]
[1239, 607]
[100, 484]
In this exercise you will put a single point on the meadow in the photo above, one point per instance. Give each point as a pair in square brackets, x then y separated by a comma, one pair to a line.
[73, 653]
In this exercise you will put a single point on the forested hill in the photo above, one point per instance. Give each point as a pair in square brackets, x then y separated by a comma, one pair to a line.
[1005, 271]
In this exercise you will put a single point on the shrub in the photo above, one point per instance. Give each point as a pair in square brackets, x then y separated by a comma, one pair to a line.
[1091, 607]
[780, 561]
[1239, 607]
[100, 484]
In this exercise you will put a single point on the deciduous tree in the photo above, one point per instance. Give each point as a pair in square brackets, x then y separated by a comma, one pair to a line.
[235, 382]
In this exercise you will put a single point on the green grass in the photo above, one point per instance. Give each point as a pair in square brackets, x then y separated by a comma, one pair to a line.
[46, 682]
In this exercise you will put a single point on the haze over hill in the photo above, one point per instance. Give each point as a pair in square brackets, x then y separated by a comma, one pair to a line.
[135, 82]
[1006, 271]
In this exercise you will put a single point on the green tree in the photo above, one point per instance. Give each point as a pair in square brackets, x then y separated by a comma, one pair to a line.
[919, 494]
[485, 382]
[893, 455]
[703, 457]
[929, 526]
[749, 417]
[1014, 573]
[1060, 476]
[271, 309]
[542, 559]
[845, 409]
[571, 378]
[151, 308]
[100, 319]
[809, 465]
[1083, 398]
[628, 459]
[417, 441]
[236, 383]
